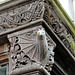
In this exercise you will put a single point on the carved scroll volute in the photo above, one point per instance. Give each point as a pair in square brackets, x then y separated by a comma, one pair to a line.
[29, 47]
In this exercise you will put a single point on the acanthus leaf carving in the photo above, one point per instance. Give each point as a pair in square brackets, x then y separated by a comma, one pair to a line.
[21, 15]
[60, 29]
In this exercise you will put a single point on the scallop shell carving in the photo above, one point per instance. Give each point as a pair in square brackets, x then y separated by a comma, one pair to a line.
[33, 45]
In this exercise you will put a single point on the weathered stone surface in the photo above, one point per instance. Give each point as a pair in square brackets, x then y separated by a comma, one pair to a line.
[21, 15]
[29, 12]
[31, 46]
[34, 69]
[60, 29]
[27, 46]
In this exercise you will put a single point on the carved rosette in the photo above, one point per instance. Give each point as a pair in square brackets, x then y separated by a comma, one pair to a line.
[29, 47]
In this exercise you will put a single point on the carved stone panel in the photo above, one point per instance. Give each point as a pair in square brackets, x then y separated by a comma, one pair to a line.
[58, 27]
[31, 46]
[28, 12]
[21, 15]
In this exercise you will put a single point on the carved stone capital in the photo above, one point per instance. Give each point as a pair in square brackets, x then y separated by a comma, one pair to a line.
[31, 46]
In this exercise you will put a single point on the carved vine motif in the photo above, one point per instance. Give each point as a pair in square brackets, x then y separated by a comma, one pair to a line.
[32, 47]
[58, 27]
[21, 15]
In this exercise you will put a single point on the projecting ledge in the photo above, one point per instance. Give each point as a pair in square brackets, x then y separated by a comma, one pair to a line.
[30, 69]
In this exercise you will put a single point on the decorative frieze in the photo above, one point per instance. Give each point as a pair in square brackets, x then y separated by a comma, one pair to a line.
[21, 15]
[31, 46]
[60, 29]
[41, 9]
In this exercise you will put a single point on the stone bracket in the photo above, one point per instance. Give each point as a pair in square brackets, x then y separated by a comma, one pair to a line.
[30, 46]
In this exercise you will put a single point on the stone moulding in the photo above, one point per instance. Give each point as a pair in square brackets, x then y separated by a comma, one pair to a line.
[63, 15]
[31, 70]
[21, 15]
[23, 25]
[33, 11]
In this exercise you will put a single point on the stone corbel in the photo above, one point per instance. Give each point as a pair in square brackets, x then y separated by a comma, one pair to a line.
[28, 48]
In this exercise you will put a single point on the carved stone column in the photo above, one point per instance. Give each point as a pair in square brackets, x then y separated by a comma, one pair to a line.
[31, 52]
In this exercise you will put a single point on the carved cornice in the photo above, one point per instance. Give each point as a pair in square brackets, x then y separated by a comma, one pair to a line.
[29, 47]
[26, 13]
[30, 12]
[21, 24]
[21, 15]
[34, 69]
[59, 28]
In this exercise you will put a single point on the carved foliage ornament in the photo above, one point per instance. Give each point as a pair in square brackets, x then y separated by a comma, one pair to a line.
[31, 47]
[21, 15]
[59, 28]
